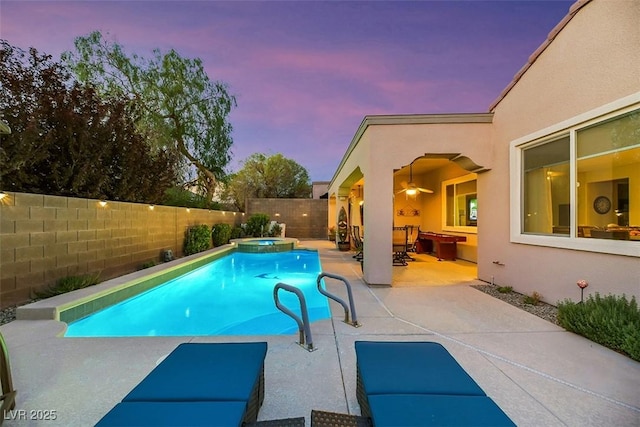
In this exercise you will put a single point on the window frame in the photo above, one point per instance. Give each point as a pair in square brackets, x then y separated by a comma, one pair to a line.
[516, 181]
[456, 228]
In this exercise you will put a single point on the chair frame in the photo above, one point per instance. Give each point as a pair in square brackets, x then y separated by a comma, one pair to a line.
[8, 397]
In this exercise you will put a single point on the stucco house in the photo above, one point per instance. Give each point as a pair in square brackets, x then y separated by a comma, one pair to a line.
[544, 186]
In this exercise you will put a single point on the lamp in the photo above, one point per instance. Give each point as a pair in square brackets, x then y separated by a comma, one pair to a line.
[151, 207]
[102, 203]
[2, 195]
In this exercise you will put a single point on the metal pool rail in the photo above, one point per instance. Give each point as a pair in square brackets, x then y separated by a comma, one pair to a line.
[304, 327]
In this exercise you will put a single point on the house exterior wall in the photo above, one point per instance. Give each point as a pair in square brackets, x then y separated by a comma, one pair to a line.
[593, 61]
[303, 218]
[44, 238]
[384, 147]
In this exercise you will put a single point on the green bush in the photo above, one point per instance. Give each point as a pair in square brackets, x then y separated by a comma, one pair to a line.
[533, 299]
[68, 284]
[505, 289]
[258, 225]
[611, 321]
[197, 239]
[237, 232]
[275, 230]
[147, 264]
[220, 233]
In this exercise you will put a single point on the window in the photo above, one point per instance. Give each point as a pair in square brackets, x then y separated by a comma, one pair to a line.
[578, 184]
[460, 204]
[546, 196]
[608, 158]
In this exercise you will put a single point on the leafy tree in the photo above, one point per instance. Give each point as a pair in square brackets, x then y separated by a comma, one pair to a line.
[65, 140]
[176, 105]
[268, 177]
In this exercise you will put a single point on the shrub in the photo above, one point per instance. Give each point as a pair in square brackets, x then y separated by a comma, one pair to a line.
[148, 264]
[533, 299]
[237, 233]
[610, 321]
[257, 225]
[68, 284]
[197, 239]
[275, 230]
[220, 234]
[505, 289]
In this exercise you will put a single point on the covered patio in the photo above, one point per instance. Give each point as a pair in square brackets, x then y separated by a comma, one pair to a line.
[421, 171]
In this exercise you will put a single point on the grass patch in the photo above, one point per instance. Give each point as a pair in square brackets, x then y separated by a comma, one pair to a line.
[505, 289]
[533, 299]
[68, 284]
[611, 321]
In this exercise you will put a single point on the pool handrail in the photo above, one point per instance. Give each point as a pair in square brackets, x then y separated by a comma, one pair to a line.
[306, 341]
[354, 321]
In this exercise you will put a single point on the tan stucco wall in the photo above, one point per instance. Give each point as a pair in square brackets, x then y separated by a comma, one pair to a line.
[303, 218]
[593, 61]
[383, 148]
[44, 238]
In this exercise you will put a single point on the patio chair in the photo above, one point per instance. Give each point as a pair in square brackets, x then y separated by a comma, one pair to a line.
[400, 246]
[412, 237]
[426, 375]
[226, 378]
[8, 397]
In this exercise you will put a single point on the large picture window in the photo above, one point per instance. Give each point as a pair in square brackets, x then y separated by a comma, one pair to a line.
[579, 187]
[546, 188]
[608, 163]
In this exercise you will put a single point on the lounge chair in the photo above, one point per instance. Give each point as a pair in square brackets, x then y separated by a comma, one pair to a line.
[226, 379]
[394, 377]
[8, 397]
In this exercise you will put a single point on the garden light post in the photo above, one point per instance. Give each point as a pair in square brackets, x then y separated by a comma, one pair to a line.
[582, 284]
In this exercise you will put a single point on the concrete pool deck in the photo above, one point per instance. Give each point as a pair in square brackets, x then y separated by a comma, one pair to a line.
[538, 373]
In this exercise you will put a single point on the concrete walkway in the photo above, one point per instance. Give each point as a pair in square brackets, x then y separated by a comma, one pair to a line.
[539, 374]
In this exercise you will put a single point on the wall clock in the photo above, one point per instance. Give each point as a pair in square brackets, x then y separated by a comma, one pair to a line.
[602, 204]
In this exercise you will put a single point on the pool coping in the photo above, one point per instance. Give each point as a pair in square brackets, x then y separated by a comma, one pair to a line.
[82, 302]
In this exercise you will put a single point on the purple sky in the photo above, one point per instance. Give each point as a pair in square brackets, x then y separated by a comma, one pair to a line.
[306, 73]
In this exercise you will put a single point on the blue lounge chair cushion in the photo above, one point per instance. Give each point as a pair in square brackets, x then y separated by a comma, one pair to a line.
[413, 410]
[203, 372]
[162, 414]
[411, 368]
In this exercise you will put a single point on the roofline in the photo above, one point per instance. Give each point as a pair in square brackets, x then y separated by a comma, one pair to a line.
[575, 7]
[409, 119]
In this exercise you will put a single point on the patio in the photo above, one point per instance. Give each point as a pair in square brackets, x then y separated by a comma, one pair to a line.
[535, 371]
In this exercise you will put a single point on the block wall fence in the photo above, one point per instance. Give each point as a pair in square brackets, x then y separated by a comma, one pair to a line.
[303, 218]
[44, 238]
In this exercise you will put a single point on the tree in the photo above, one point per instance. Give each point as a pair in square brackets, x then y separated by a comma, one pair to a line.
[268, 177]
[66, 141]
[174, 102]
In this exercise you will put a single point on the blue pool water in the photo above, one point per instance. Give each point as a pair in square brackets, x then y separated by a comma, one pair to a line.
[230, 296]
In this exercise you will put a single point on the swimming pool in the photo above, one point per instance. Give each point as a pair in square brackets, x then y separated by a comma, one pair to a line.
[232, 295]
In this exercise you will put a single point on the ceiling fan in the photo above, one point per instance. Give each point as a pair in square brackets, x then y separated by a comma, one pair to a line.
[411, 188]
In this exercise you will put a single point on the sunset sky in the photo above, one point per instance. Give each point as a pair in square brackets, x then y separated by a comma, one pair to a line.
[306, 73]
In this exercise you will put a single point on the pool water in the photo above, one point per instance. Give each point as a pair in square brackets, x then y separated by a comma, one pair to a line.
[232, 295]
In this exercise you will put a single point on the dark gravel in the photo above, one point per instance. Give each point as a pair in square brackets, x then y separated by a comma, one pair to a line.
[543, 310]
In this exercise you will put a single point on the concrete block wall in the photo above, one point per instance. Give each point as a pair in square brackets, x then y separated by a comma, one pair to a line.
[304, 218]
[44, 238]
